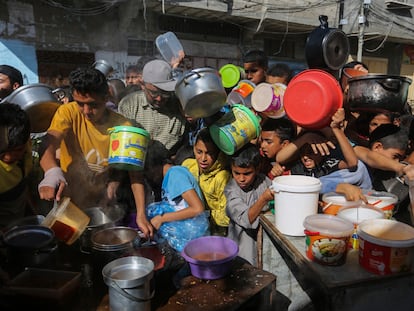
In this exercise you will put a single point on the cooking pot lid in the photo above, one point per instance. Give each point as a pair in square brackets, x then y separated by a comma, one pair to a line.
[335, 48]
[113, 237]
[29, 236]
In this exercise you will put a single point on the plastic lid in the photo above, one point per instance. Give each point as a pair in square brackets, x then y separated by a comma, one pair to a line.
[126, 128]
[230, 75]
[339, 199]
[296, 183]
[358, 214]
[328, 225]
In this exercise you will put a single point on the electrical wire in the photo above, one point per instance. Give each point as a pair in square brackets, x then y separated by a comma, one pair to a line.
[90, 11]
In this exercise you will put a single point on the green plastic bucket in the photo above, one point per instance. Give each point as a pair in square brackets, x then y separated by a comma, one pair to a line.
[128, 147]
[231, 75]
[235, 129]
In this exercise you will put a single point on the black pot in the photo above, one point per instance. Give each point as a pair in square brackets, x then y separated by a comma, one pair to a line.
[326, 48]
[29, 245]
[377, 93]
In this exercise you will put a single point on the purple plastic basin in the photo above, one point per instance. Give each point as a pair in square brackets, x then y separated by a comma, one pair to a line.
[210, 257]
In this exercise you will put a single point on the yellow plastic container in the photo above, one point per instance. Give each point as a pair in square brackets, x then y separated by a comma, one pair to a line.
[67, 221]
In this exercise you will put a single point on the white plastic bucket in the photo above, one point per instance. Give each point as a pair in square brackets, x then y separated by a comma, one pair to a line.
[296, 198]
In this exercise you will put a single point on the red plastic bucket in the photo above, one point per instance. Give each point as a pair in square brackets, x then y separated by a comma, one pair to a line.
[385, 246]
[312, 97]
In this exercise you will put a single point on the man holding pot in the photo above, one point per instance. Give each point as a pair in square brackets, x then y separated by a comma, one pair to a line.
[155, 108]
[80, 130]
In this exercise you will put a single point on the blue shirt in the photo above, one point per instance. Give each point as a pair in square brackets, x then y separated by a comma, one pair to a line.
[178, 180]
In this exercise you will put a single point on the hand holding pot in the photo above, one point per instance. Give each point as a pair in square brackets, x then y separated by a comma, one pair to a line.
[53, 179]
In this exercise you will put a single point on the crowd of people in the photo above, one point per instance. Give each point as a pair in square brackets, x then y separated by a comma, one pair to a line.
[184, 167]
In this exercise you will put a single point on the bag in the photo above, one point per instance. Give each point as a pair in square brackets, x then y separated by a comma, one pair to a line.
[179, 233]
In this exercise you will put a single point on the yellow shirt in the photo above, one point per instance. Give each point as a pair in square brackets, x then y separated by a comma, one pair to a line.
[11, 174]
[83, 138]
[212, 185]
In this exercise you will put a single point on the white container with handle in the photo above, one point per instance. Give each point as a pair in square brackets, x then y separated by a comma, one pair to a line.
[296, 197]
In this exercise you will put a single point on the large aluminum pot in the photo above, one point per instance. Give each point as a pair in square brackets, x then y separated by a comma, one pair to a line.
[326, 47]
[100, 218]
[112, 243]
[377, 93]
[38, 101]
[201, 92]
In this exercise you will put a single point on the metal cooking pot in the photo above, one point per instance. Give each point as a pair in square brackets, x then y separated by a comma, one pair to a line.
[100, 218]
[377, 93]
[38, 101]
[201, 92]
[326, 47]
[103, 66]
[111, 243]
[29, 245]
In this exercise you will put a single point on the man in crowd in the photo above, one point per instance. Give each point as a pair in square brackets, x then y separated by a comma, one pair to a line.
[80, 130]
[155, 108]
[10, 79]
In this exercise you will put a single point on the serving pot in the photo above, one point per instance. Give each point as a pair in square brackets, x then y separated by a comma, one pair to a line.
[38, 101]
[201, 92]
[29, 245]
[100, 218]
[111, 243]
[326, 47]
[374, 92]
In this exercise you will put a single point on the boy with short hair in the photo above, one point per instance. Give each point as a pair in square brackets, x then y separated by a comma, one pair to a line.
[275, 135]
[247, 194]
[255, 63]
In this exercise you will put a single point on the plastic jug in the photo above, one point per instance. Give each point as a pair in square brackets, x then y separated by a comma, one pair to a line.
[169, 46]
[67, 221]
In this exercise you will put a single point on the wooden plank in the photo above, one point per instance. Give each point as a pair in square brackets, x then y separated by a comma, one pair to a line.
[246, 286]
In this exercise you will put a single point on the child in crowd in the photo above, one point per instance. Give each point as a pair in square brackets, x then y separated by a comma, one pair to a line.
[247, 194]
[210, 170]
[275, 135]
[316, 165]
[255, 63]
[15, 162]
[343, 165]
[176, 184]
[279, 73]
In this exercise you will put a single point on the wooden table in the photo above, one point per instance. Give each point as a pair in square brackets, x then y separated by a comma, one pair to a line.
[245, 288]
[346, 287]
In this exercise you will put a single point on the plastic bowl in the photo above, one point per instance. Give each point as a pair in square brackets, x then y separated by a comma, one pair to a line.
[383, 200]
[333, 202]
[210, 257]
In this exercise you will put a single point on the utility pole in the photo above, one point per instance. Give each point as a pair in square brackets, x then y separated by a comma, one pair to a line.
[361, 22]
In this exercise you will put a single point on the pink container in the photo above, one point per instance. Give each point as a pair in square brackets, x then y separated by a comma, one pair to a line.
[210, 257]
[268, 99]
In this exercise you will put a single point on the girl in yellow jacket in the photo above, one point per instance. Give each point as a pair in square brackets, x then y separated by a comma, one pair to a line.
[210, 168]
